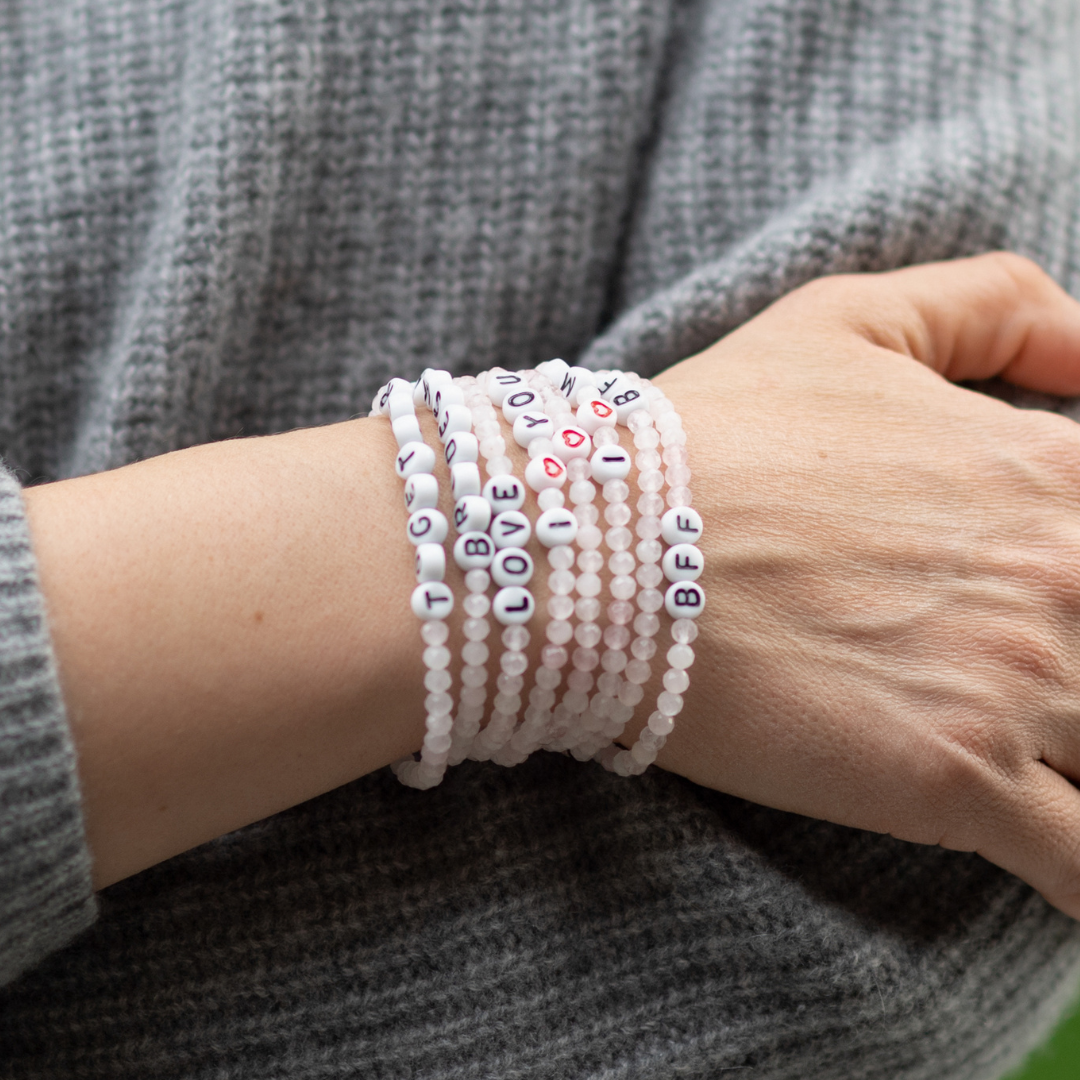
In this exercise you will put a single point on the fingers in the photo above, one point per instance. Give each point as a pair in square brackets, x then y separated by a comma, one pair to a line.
[995, 314]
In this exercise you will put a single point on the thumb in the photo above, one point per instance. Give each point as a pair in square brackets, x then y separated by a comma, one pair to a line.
[996, 314]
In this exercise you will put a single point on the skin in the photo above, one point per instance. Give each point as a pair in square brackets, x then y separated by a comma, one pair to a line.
[892, 634]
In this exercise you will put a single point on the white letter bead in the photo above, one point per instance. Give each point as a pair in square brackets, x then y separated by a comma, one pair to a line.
[432, 600]
[610, 463]
[684, 600]
[421, 491]
[451, 394]
[465, 479]
[426, 527]
[511, 529]
[407, 429]
[474, 551]
[462, 446]
[683, 562]
[430, 562]
[595, 414]
[681, 526]
[504, 493]
[532, 425]
[472, 514]
[556, 527]
[454, 418]
[545, 472]
[400, 403]
[624, 397]
[512, 566]
[513, 605]
[414, 457]
[431, 380]
[554, 370]
[572, 442]
[504, 383]
[520, 401]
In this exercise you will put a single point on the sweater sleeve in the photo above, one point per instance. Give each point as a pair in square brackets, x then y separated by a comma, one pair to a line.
[45, 891]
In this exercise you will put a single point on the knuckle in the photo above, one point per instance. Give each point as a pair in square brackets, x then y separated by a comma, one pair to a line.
[1016, 272]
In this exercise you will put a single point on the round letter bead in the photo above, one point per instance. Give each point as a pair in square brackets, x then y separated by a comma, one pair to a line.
[400, 403]
[595, 414]
[407, 429]
[421, 492]
[432, 600]
[683, 562]
[430, 381]
[511, 529]
[427, 527]
[513, 605]
[518, 402]
[684, 600]
[545, 472]
[474, 550]
[503, 383]
[556, 527]
[413, 458]
[504, 493]
[625, 398]
[681, 525]
[430, 562]
[572, 442]
[454, 418]
[554, 371]
[462, 446]
[472, 514]
[465, 479]
[610, 463]
[532, 425]
[511, 566]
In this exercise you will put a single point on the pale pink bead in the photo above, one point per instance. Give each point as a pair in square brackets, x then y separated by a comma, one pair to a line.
[673, 438]
[469, 714]
[588, 584]
[592, 562]
[492, 446]
[487, 429]
[647, 439]
[649, 551]
[560, 607]
[439, 703]
[678, 475]
[473, 675]
[436, 743]
[680, 656]
[507, 703]
[589, 536]
[588, 634]
[623, 587]
[621, 562]
[668, 421]
[616, 637]
[616, 491]
[516, 637]
[538, 448]
[474, 696]
[669, 704]
[587, 609]
[582, 491]
[617, 513]
[609, 683]
[605, 436]
[514, 663]
[438, 680]
[651, 480]
[651, 504]
[475, 652]
[613, 660]
[476, 580]
[500, 466]
[509, 684]
[649, 738]
[676, 455]
[541, 698]
[639, 420]
[550, 499]
[650, 600]
[558, 631]
[647, 624]
[585, 659]
[644, 755]
[659, 406]
[439, 724]
[648, 527]
[676, 681]
[436, 656]
[476, 605]
[679, 496]
[684, 631]
[620, 612]
[644, 648]
[575, 701]
[560, 557]
[578, 469]
[649, 575]
[435, 632]
[647, 459]
[553, 656]
[637, 671]
[587, 514]
[561, 582]
[548, 678]
[618, 538]
[631, 694]
[579, 681]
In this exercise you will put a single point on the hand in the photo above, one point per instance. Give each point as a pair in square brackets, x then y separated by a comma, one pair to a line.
[892, 635]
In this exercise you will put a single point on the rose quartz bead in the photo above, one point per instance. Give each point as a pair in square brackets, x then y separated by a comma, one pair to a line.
[649, 575]
[585, 659]
[586, 514]
[550, 499]
[669, 704]
[647, 459]
[651, 504]
[473, 675]
[617, 513]
[580, 682]
[475, 652]
[648, 527]
[435, 632]
[684, 631]
[631, 694]
[588, 634]
[592, 562]
[650, 480]
[638, 671]
[608, 684]
[587, 609]
[561, 557]
[558, 631]
[649, 551]
[623, 587]
[650, 600]
[588, 584]
[616, 636]
[605, 436]
[680, 656]
[639, 420]
[548, 677]
[644, 647]
[613, 660]
[589, 536]
[560, 607]
[561, 582]
[676, 681]
[620, 612]
[647, 624]
[578, 469]
[678, 475]
[436, 681]
[582, 491]
[621, 562]
[553, 656]
[660, 724]
[619, 538]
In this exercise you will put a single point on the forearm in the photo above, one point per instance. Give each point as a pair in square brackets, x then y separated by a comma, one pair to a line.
[232, 632]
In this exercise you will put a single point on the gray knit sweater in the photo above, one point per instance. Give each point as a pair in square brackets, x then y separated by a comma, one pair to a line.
[223, 217]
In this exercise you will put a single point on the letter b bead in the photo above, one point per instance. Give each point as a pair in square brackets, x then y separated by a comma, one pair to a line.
[684, 600]
[474, 551]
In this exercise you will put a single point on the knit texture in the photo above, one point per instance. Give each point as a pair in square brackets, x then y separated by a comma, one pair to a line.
[223, 217]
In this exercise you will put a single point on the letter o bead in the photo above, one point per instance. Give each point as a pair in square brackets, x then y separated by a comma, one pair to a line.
[472, 514]
[427, 526]
[518, 402]
[413, 458]
[684, 600]
[556, 526]
[610, 463]
[474, 551]
[513, 605]
[430, 562]
[432, 600]
[681, 525]
[545, 471]
[421, 492]
[683, 562]
[512, 566]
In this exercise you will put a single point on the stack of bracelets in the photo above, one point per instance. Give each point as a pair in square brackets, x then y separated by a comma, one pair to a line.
[566, 418]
